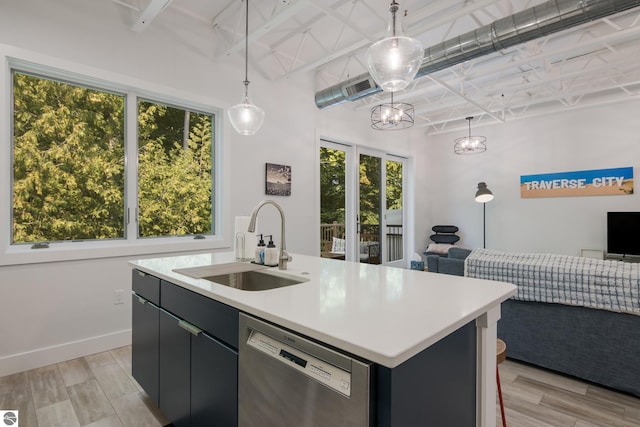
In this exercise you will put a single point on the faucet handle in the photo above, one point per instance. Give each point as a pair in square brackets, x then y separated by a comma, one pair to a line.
[285, 256]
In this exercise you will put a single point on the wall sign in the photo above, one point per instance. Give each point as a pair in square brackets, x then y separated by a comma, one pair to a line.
[599, 182]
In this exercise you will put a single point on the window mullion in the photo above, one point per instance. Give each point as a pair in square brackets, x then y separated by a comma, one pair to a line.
[131, 166]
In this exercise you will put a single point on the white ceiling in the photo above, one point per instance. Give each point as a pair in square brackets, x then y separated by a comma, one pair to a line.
[587, 65]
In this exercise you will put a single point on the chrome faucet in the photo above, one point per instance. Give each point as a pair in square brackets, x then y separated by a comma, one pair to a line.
[283, 256]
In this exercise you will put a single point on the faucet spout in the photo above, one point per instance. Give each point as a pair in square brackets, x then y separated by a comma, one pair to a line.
[283, 256]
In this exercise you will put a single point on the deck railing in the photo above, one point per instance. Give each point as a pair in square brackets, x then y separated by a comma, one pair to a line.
[393, 237]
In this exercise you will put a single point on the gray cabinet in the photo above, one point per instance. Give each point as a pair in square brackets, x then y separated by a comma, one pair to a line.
[145, 333]
[196, 358]
[175, 371]
[214, 382]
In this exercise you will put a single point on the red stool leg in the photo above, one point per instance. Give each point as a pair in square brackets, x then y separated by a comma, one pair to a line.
[504, 420]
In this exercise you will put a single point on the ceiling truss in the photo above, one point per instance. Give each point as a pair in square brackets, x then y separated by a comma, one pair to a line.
[597, 63]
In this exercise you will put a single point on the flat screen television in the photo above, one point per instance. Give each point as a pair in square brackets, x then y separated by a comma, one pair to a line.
[623, 233]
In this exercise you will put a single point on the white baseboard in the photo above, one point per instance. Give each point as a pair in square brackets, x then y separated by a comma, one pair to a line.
[59, 353]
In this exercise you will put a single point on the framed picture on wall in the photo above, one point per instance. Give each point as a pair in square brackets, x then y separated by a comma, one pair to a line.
[277, 180]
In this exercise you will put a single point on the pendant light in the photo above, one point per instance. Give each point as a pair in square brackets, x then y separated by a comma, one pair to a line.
[392, 116]
[470, 144]
[245, 117]
[394, 61]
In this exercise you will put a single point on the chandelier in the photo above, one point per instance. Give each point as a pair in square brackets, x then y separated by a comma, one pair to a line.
[394, 61]
[392, 116]
[470, 144]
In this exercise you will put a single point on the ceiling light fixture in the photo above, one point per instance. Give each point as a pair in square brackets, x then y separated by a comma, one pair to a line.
[394, 61]
[470, 144]
[245, 117]
[392, 116]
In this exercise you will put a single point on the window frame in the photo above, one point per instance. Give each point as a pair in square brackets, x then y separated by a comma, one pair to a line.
[132, 90]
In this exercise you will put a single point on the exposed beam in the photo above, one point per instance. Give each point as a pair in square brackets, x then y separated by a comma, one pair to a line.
[466, 98]
[412, 31]
[153, 9]
[127, 5]
[348, 23]
[287, 12]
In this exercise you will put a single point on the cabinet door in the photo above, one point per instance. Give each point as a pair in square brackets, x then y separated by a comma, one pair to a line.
[175, 370]
[145, 334]
[214, 383]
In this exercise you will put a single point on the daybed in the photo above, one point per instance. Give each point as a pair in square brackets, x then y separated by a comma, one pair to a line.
[578, 316]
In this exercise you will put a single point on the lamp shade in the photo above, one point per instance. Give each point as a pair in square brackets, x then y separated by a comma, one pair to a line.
[245, 117]
[394, 61]
[483, 195]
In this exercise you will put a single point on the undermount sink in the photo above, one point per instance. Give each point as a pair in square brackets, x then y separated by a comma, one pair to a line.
[244, 276]
[254, 280]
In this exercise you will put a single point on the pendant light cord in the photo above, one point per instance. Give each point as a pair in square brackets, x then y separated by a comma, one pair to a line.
[246, 46]
[393, 8]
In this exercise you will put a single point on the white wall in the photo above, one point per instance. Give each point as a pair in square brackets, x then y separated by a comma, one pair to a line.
[593, 138]
[56, 311]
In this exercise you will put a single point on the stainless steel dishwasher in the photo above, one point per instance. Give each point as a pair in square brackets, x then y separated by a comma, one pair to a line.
[285, 380]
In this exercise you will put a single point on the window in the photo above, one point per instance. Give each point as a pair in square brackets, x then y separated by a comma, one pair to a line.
[174, 171]
[71, 180]
[68, 161]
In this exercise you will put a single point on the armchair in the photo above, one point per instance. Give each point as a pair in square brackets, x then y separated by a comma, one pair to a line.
[453, 263]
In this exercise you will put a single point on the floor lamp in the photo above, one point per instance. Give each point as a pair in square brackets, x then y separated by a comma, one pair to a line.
[484, 195]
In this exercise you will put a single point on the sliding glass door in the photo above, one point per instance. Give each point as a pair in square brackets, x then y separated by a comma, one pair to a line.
[361, 205]
[333, 200]
[394, 212]
[369, 215]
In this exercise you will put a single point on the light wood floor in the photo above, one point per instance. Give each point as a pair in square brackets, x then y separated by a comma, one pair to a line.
[538, 398]
[98, 391]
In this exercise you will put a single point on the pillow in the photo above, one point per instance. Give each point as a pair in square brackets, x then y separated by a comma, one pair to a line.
[338, 246]
[439, 248]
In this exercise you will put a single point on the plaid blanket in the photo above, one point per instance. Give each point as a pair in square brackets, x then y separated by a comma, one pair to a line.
[562, 279]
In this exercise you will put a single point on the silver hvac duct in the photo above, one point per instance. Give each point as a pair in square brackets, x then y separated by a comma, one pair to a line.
[530, 24]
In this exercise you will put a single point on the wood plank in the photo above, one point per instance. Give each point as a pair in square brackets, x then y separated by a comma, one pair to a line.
[74, 371]
[47, 386]
[89, 402]
[133, 411]
[15, 394]
[112, 421]
[60, 414]
[113, 380]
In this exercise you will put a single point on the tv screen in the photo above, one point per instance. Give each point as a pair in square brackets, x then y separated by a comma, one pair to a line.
[623, 233]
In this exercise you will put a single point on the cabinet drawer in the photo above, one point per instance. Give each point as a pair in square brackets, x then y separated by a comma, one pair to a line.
[146, 285]
[216, 318]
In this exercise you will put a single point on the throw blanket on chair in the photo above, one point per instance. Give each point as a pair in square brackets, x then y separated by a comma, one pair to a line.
[562, 279]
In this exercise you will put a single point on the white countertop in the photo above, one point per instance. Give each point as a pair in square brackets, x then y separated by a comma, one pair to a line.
[382, 314]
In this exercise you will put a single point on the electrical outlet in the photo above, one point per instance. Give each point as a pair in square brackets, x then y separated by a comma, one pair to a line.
[118, 297]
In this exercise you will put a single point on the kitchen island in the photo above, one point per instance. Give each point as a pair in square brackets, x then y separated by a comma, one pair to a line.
[391, 317]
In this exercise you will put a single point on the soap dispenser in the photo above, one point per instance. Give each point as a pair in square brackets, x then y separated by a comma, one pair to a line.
[271, 253]
[259, 256]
